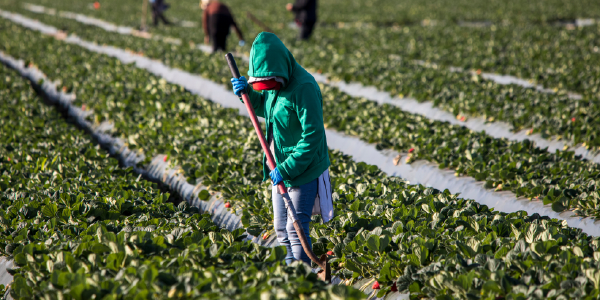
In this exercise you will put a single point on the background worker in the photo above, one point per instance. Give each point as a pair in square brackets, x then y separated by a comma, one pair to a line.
[306, 16]
[292, 106]
[216, 21]
[158, 8]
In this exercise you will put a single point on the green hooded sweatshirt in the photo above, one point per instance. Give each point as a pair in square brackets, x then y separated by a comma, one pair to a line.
[295, 112]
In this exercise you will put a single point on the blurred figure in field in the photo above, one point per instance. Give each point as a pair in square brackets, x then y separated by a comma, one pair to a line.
[306, 16]
[158, 8]
[216, 21]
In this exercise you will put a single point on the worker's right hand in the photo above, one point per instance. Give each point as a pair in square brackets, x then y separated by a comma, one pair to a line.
[239, 85]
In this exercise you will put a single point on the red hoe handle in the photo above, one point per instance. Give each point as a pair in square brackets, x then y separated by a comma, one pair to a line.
[263, 142]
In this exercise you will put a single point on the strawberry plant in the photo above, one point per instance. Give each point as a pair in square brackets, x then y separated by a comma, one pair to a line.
[559, 179]
[78, 226]
[516, 166]
[457, 92]
[428, 242]
[381, 13]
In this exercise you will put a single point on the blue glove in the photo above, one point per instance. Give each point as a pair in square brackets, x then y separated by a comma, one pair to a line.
[239, 85]
[276, 176]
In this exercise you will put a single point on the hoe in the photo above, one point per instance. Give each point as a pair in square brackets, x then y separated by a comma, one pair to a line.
[325, 273]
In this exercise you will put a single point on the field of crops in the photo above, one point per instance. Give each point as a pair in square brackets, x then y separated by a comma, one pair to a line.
[79, 224]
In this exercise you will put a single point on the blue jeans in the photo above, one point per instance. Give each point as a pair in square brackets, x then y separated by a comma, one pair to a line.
[303, 198]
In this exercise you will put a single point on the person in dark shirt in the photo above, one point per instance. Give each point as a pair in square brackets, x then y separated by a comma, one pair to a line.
[158, 7]
[216, 21]
[306, 16]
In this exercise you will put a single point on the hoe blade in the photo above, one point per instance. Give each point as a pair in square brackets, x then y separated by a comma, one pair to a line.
[325, 273]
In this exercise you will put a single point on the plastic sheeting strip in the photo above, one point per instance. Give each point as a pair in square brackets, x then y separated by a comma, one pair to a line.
[418, 173]
[157, 170]
[496, 129]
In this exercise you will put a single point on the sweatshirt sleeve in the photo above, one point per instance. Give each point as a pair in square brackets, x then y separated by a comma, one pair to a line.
[237, 29]
[258, 101]
[205, 22]
[310, 113]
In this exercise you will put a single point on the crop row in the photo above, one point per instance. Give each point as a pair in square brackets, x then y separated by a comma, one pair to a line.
[428, 242]
[555, 56]
[559, 179]
[384, 58]
[78, 226]
[378, 12]
[558, 57]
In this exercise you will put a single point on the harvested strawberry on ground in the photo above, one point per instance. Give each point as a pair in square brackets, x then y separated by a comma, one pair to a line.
[165, 158]
[228, 205]
[394, 288]
[375, 285]
[529, 132]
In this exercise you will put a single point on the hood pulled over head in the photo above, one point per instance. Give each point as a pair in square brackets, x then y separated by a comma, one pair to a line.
[269, 57]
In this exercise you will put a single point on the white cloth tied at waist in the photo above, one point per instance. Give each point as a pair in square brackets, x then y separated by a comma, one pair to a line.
[324, 202]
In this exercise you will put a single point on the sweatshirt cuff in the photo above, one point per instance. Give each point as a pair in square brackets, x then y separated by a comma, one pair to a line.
[284, 173]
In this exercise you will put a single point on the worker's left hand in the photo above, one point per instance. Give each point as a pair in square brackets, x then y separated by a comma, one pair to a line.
[276, 176]
[289, 6]
[239, 85]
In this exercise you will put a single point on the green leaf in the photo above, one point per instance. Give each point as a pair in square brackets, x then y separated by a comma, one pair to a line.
[501, 253]
[558, 206]
[204, 195]
[414, 287]
[50, 210]
[277, 254]
[373, 243]
[466, 250]
[386, 274]
[350, 265]
[384, 241]
[355, 206]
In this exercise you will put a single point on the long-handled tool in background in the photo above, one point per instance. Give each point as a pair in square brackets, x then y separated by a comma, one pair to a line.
[258, 22]
[325, 273]
[143, 27]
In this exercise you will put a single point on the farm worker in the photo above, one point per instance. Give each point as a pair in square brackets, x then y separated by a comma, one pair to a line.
[291, 103]
[158, 7]
[306, 16]
[216, 21]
